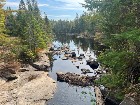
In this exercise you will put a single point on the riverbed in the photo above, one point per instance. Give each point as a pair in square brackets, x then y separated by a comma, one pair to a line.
[68, 94]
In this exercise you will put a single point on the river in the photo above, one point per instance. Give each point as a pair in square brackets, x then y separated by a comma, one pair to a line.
[68, 94]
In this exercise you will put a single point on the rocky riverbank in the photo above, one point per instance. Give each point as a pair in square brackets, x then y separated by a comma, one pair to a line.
[28, 85]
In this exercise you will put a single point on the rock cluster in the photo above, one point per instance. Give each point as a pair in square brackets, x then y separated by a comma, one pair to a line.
[75, 79]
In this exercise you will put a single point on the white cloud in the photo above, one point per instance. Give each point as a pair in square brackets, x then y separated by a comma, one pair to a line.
[12, 4]
[63, 16]
[43, 5]
[66, 8]
[71, 5]
[59, 16]
[72, 1]
[16, 4]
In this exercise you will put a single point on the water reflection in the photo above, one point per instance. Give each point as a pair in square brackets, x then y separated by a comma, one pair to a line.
[67, 94]
[84, 43]
[79, 42]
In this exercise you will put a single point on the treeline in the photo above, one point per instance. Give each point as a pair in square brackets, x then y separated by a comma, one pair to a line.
[84, 24]
[27, 27]
[120, 24]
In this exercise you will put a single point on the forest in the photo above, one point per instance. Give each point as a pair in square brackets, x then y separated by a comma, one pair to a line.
[23, 31]
[118, 22]
[115, 23]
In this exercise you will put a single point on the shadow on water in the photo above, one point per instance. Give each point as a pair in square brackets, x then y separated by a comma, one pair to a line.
[67, 94]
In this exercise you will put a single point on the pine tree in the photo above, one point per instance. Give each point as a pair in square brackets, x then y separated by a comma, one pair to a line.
[22, 5]
[47, 24]
[21, 22]
[2, 17]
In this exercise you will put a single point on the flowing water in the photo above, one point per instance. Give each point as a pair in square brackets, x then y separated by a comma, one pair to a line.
[68, 94]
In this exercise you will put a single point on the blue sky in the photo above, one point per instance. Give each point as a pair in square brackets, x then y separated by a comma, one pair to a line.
[55, 9]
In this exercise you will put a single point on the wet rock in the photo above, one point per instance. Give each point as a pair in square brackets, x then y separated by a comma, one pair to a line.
[39, 66]
[67, 55]
[73, 54]
[77, 66]
[92, 64]
[82, 55]
[109, 101]
[75, 79]
[99, 72]
[57, 53]
[51, 49]
[64, 58]
[88, 62]
[85, 71]
[67, 52]
[58, 49]
[54, 59]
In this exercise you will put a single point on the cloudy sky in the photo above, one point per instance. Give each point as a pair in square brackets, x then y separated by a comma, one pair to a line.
[55, 9]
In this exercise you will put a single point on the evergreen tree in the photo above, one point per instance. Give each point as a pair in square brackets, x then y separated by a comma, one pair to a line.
[2, 17]
[47, 24]
[119, 24]
[22, 5]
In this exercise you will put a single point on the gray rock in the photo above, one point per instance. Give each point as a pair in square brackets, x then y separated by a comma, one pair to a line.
[75, 79]
[73, 54]
[85, 71]
[128, 101]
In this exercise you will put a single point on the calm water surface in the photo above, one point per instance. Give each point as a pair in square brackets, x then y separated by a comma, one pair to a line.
[67, 94]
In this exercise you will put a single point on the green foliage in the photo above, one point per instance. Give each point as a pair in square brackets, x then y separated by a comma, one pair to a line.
[9, 48]
[117, 60]
[27, 56]
[84, 24]
[30, 27]
[2, 17]
[115, 83]
[119, 21]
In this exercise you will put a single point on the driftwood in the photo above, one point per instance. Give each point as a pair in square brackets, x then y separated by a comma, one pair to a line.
[75, 79]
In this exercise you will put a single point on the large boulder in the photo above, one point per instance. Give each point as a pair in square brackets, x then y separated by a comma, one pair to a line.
[92, 64]
[31, 88]
[73, 54]
[8, 71]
